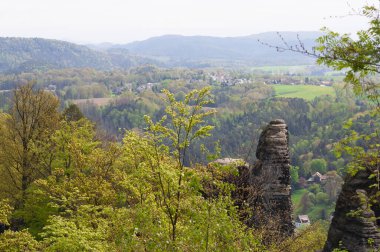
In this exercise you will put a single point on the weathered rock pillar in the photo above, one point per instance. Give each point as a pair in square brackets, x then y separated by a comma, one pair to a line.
[272, 173]
[263, 189]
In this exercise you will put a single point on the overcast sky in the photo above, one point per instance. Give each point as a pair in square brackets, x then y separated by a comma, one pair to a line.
[122, 21]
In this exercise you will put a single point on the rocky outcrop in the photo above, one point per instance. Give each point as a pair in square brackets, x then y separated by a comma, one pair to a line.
[272, 175]
[356, 224]
[263, 189]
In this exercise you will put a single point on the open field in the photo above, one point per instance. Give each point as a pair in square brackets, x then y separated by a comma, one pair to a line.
[283, 69]
[307, 92]
[96, 101]
[304, 70]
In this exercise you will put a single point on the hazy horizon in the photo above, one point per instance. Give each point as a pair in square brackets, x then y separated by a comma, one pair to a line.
[117, 21]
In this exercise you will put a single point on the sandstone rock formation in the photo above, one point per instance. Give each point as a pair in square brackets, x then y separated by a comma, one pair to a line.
[272, 175]
[263, 189]
[356, 224]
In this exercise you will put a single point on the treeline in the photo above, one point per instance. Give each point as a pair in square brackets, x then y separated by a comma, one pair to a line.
[84, 83]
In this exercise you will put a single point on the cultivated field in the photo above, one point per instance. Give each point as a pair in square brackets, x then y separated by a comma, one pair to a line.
[307, 92]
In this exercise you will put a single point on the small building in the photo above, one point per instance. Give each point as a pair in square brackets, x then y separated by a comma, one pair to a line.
[302, 220]
[317, 178]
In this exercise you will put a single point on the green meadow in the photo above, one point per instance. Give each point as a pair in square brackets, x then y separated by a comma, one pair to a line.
[283, 69]
[307, 92]
[296, 196]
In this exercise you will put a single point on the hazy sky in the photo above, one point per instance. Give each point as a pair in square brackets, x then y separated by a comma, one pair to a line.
[123, 21]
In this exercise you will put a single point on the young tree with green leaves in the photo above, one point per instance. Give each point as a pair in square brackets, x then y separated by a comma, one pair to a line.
[183, 123]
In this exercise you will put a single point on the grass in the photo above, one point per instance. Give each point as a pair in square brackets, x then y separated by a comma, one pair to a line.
[296, 196]
[307, 92]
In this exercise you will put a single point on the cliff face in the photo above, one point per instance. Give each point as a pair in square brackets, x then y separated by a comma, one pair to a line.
[355, 226]
[272, 175]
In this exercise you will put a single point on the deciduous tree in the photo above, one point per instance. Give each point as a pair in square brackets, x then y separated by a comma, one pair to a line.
[31, 120]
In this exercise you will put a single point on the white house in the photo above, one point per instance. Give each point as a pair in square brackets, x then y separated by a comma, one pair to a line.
[302, 220]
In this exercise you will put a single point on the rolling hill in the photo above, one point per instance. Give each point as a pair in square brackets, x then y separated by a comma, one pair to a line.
[27, 54]
[176, 50]
[23, 54]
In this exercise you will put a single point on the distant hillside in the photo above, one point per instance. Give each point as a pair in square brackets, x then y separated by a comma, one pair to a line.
[26, 54]
[176, 50]
[23, 54]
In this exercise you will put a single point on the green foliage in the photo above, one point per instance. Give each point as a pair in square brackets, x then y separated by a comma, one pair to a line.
[184, 125]
[306, 202]
[311, 238]
[85, 231]
[25, 130]
[294, 174]
[36, 211]
[163, 190]
[5, 212]
[362, 148]
[311, 196]
[86, 91]
[322, 198]
[314, 188]
[11, 241]
[318, 165]
[134, 196]
[72, 113]
[186, 121]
